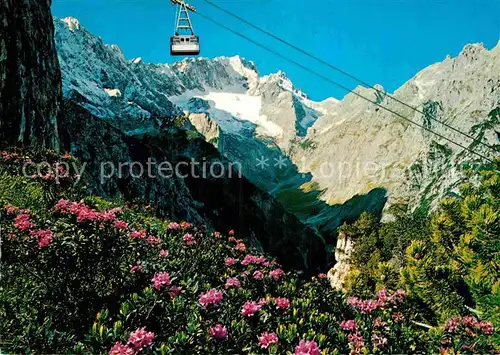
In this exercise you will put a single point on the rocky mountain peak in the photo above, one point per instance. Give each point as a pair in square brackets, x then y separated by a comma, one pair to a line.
[72, 23]
[472, 50]
[284, 82]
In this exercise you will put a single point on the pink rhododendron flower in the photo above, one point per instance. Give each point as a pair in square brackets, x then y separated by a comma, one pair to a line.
[398, 296]
[120, 224]
[188, 239]
[164, 253]
[486, 327]
[153, 240]
[307, 347]
[23, 222]
[186, 225]
[263, 301]
[218, 332]
[382, 296]
[322, 276]
[116, 210]
[211, 297]
[174, 226]
[62, 206]
[230, 261]
[266, 339]
[232, 282]
[44, 237]
[11, 209]
[470, 321]
[379, 341]
[452, 325]
[252, 259]
[356, 342]
[276, 274]
[137, 234]
[231, 232]
[136, 268]
[349, 325]
[282, 302]
[241, 247]
[368, 306]
[365, 306]
[84, 213]
[11, 236]
[250, 308]
[353, 301]
[47, 177]
[247, 260]
[120, 349]
[258, 275]
[174, 291]
[161, 279]
[378, 323]
[217, 235]
[141, 339]
[398, 316]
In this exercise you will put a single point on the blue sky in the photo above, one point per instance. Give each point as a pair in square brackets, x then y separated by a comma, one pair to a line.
[384, 42]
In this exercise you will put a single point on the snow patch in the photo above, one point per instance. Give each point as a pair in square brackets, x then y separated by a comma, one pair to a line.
[229, 109]
[113, 92]
[244, 107]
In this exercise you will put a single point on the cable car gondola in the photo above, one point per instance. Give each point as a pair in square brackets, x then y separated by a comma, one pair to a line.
[184, 41]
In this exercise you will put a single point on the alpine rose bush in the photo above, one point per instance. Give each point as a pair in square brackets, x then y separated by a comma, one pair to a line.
[86, 276]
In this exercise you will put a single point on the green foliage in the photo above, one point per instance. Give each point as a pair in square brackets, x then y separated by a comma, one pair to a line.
[448, 262]
[372, 263]
[307, 144]
[19, 191]
[459, 265]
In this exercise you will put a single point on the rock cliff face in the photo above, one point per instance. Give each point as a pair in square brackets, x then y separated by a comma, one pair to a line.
[30, 79]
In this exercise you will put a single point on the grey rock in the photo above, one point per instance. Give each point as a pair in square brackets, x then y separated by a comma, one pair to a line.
[30, 79]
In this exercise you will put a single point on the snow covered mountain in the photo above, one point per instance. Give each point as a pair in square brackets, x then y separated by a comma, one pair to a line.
[310, 155]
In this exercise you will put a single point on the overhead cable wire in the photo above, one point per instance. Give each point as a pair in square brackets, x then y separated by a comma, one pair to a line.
[339, 85]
